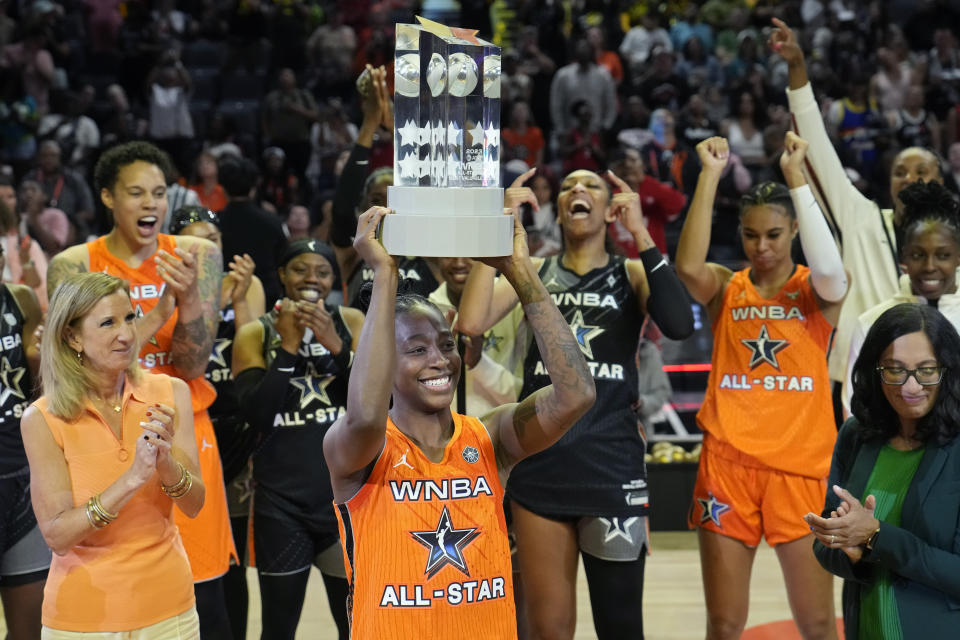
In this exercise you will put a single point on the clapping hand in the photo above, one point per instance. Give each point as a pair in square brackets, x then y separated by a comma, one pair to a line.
[848, 527]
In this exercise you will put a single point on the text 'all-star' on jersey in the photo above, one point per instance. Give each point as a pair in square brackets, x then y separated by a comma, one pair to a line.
[425, 543]
[15, 383]
[597, 467]
[292, 479]
[769, 394]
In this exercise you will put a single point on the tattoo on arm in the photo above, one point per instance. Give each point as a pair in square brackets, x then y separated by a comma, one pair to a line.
[58, 269]
[193, 337]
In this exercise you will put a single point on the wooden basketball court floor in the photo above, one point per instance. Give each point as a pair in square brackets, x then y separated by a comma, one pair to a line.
[673, 597]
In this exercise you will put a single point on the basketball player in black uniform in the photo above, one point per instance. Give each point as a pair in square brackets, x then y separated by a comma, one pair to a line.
[24, 556]
[588, 492]
[423, 275]
[241, 301]
[291, 370]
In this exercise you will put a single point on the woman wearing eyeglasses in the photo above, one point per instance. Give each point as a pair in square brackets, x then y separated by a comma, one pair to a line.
[890, 524]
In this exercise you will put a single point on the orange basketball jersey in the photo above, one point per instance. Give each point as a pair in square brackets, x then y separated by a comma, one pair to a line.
[425, 544]
[207, 537]
[769, 393]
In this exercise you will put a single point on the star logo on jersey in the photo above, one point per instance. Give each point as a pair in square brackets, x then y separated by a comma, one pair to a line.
[618, 529]
[10, 381]
[312, 387]
[712, 509]
[446, 545]
[219, 346]
[764, 349]
[491, 341]
[584, 333]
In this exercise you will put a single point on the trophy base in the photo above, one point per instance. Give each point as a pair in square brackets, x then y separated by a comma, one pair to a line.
[447, 222]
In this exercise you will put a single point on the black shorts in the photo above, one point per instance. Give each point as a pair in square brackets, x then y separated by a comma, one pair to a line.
[283, 547]
[24, 557]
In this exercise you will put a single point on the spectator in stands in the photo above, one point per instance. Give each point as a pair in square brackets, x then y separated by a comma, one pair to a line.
[47, 225]
[944, 62]
[661, 85]
[296, 222]
[206, 183]
[288, 112]
[666, 157]
[121, 123]
[695, 124]
[582, 147]
[279, 187]
[604, 57]
[32, 59]
[18, 121]
[171, 125]
[222, 137]
[661, 203]
[856, 122]
[23, 259]
[633, 122]
[698, 65]
[744, 130]
[523, 139]
[76, 133]
[177, 195]
[65, 188]
[891, 81]
[639, 42]
[544, 237]
[582, 79]
[330, 50]
[913, 125]
[246, 228]
[515, 85]
[329, 137]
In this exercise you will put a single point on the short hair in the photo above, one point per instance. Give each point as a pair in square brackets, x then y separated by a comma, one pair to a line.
[116, 158]
[238, 176]
[929, 202]
[768, 193]
[405, 302]
[64, 377]
[877, 419]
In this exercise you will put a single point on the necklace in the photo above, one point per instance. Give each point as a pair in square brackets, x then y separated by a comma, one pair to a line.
[115, 405]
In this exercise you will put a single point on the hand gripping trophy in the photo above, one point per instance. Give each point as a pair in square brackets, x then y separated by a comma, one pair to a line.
[446, 170]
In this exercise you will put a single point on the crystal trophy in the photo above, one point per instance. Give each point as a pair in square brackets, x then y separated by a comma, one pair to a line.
[446, 190]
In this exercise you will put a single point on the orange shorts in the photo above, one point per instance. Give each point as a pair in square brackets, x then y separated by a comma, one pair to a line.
[738, 496]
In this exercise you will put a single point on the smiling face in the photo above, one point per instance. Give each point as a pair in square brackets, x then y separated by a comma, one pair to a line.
[767, 231]
[107, 335]
[428, 364]
[911, 400]
[582, 204]
[931, 256]
[138, 201]
[455, 272]
[308, 277]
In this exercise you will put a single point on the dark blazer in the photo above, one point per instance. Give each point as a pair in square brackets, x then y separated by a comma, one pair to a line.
[923, 553]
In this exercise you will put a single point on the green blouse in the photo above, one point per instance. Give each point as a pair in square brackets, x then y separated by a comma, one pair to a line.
[888, 483]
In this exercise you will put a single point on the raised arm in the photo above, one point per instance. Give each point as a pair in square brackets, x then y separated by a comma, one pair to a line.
[659, 291]
[354, 441]
[485, 301]
[198, 301]
[522, 429]
[704, 280]
[828, 178]
[827, 276]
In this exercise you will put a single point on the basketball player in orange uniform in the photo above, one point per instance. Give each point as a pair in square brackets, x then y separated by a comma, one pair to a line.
[767, 415]
[417, 488]
[164, 271]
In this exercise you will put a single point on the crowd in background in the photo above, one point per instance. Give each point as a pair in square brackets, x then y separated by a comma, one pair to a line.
[630, 86]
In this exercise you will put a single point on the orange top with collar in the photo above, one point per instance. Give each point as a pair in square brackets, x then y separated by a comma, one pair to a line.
[206, 537]
[425, 543]
[769, 393]
[134, 572]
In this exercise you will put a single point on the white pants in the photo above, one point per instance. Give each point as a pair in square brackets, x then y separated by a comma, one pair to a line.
[185, 626]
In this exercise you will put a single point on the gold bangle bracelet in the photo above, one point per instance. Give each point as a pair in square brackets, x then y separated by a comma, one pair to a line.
[90, 519]
[102, 511]
[184, 489]
[93, 517]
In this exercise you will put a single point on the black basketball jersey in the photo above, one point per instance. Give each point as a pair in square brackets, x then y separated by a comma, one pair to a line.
[415, 272]
[218, 368]
[16, 385]
[291, 476]
[596, 468]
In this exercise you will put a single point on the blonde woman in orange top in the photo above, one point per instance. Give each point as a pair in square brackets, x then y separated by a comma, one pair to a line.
[117, 452]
